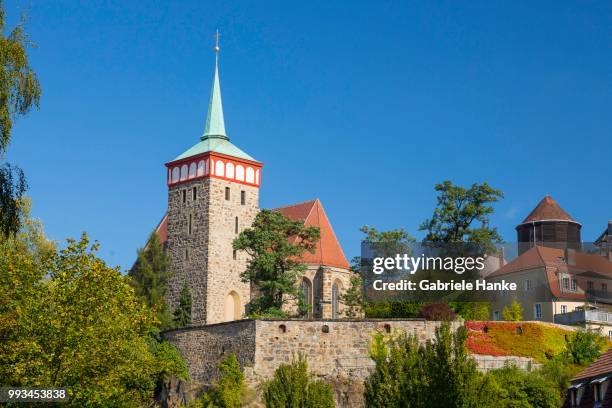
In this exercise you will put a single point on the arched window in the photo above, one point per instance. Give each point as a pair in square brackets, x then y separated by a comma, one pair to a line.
[207, 167]
[239, 172]
[257, 177]
[200, 168]
[184, 172]
[335, 301]
[229, 170]
[176, 174]
[219, 168]
[192, 170]
[233, 308]
[250, 175]
[306, 290]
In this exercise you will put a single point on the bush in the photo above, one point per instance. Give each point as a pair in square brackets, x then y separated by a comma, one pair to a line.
[228, 391]
[292, 386]
[516, 388]
[585, 346]
[386, 310]
[472, 310]
[513, 312]
[435, 374]
[437, 311]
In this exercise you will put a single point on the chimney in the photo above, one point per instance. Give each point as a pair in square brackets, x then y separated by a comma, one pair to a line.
[570, 256]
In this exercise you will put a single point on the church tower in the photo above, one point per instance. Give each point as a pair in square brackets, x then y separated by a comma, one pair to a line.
[213, 194]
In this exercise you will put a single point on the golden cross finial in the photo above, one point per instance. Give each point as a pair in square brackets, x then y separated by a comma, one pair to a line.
[217, 41]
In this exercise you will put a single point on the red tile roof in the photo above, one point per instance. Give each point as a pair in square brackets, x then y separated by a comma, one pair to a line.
[553, 261]
[601, 366]
[548, 209]
[328, 250]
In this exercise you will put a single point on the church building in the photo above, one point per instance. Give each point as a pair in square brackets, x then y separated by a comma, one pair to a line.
[213, 194]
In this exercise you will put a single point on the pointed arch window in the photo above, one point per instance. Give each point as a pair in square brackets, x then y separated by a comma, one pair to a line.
[306, 291]
[335, 301]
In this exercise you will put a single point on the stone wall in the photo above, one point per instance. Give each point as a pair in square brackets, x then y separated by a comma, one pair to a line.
[486, 363]
[336, 350]
[203, 347]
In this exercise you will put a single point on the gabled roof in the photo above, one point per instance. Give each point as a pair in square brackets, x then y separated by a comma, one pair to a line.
[548, 210]
[553, 261]
[600, 367]
[328, 251]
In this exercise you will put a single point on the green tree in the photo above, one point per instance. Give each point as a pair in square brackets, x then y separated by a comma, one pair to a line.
[439, 373]
[293, 386]
[182, 314]
[353, 297]
[457, 210]
[514, 388]
[19, 92]
[228, 390]
[68, 320]
[472, 310]
[275, 244]
[513, 312]
[584, 346]
[149, 277]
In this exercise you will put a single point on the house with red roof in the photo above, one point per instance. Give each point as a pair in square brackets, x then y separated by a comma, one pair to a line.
[591, 387]
[556, 280]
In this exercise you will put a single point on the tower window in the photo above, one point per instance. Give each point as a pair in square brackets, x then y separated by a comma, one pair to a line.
[195, 193]
[236, 225]
[227, 193]
[186, 254]
[234, 254]
[243, 197]
[184, 196]
[190, 222]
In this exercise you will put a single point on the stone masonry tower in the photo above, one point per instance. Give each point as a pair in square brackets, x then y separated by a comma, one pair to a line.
[213, 194]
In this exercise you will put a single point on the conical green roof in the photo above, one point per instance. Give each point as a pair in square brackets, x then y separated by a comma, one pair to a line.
[215, 138]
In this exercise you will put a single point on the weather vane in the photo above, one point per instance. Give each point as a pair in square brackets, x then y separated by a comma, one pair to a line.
[217, 41]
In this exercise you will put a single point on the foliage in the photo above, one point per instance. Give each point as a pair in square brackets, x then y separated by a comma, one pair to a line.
[471, 310]
[292, 386]
[534, 340]
[456, 211]
[584, 346]
[275, 244]
[353, 297]
[560, 370]
[513, 312]
[437, 311]
[228, 391]
[149, 277]
[19, 92]
[439, 373]
[182, 314]
[513, 387]
[388, 243]
[389, 309]
[68, 320]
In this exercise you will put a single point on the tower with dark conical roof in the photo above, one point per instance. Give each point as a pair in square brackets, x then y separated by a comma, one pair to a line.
[548, 225]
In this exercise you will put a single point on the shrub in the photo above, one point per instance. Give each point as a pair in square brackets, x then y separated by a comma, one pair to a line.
[228, 391]
[513, 312]
[437, 311]
[439, 373]
[516, 388]
[292, 386]
[585, 346]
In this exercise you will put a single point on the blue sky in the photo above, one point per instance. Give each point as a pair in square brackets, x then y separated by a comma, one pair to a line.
[365, 105]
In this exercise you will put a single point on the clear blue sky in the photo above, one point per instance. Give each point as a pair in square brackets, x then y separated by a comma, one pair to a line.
[365, 105]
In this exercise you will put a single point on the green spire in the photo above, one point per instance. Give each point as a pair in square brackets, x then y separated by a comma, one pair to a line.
[215, 125]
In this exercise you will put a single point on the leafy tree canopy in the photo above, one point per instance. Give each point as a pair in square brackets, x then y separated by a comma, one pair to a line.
[182, 314]
[513, 312]
[275, 244]
[68, 320]
[149, 277]
[19, 92]
[457, 210]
